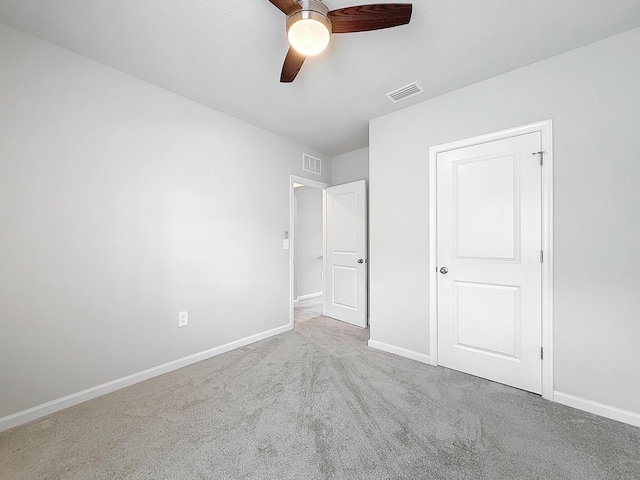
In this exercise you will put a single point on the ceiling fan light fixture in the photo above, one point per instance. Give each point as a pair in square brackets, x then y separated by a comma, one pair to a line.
[309, 29]
[310, 25]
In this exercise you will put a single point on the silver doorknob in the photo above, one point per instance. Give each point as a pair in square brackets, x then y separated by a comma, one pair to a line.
[444, 270]
[362, 260]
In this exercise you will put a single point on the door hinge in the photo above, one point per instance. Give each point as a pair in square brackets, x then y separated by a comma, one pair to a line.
[541, 353]
[541, 256]
[541, 153]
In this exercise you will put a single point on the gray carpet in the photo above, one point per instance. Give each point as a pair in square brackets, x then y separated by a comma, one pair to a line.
[317, 403]
[308, 309]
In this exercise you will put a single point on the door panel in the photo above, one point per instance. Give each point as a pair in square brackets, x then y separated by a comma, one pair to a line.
[485, 190]
[487, 318]
[344, 233]
[489, 240]
[345, 286]
[346, 244]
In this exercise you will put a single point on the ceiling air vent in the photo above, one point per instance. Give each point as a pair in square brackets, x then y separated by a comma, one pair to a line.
[311, 164]
[405, 92]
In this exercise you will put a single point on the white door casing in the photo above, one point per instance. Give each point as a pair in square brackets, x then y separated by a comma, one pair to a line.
[346, 253]
[490, 218]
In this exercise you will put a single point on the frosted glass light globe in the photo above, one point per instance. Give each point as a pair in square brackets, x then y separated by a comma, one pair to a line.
[308, 36]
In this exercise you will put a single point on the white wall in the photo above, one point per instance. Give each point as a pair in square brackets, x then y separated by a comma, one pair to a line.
[122, 204]
[592, 95]
[308, 241]
[350, 166]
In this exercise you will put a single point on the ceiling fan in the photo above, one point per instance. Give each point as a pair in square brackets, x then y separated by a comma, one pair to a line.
[310, 25]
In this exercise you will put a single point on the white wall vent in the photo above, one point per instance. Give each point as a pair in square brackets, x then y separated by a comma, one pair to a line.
[405, 92]
[311, 164]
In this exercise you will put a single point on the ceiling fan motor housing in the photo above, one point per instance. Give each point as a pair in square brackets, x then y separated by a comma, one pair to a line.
[310, 10]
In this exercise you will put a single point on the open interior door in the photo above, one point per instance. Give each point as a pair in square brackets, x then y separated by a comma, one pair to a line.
[346, 253]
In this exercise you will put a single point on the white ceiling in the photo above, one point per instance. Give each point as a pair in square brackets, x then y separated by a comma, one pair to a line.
[228, 54]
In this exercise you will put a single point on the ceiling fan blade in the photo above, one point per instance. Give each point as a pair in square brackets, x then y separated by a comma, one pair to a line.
[362, 18]
[292, 65]
[286, 6]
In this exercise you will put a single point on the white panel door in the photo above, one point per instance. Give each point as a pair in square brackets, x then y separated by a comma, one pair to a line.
[346, 253]
[489, 240]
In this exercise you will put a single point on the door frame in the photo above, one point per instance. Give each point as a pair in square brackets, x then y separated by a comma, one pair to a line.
[546, 132]
[307, 182]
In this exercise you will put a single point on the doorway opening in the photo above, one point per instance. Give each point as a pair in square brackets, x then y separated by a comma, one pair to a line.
[306, 248]
[341, 264]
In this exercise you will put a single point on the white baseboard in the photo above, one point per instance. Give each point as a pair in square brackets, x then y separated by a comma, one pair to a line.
[614, 413]
[53, 406]
[403, 352]
[307, 296]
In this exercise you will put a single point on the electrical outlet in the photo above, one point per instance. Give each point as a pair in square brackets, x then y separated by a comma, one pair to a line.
[183, 319]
